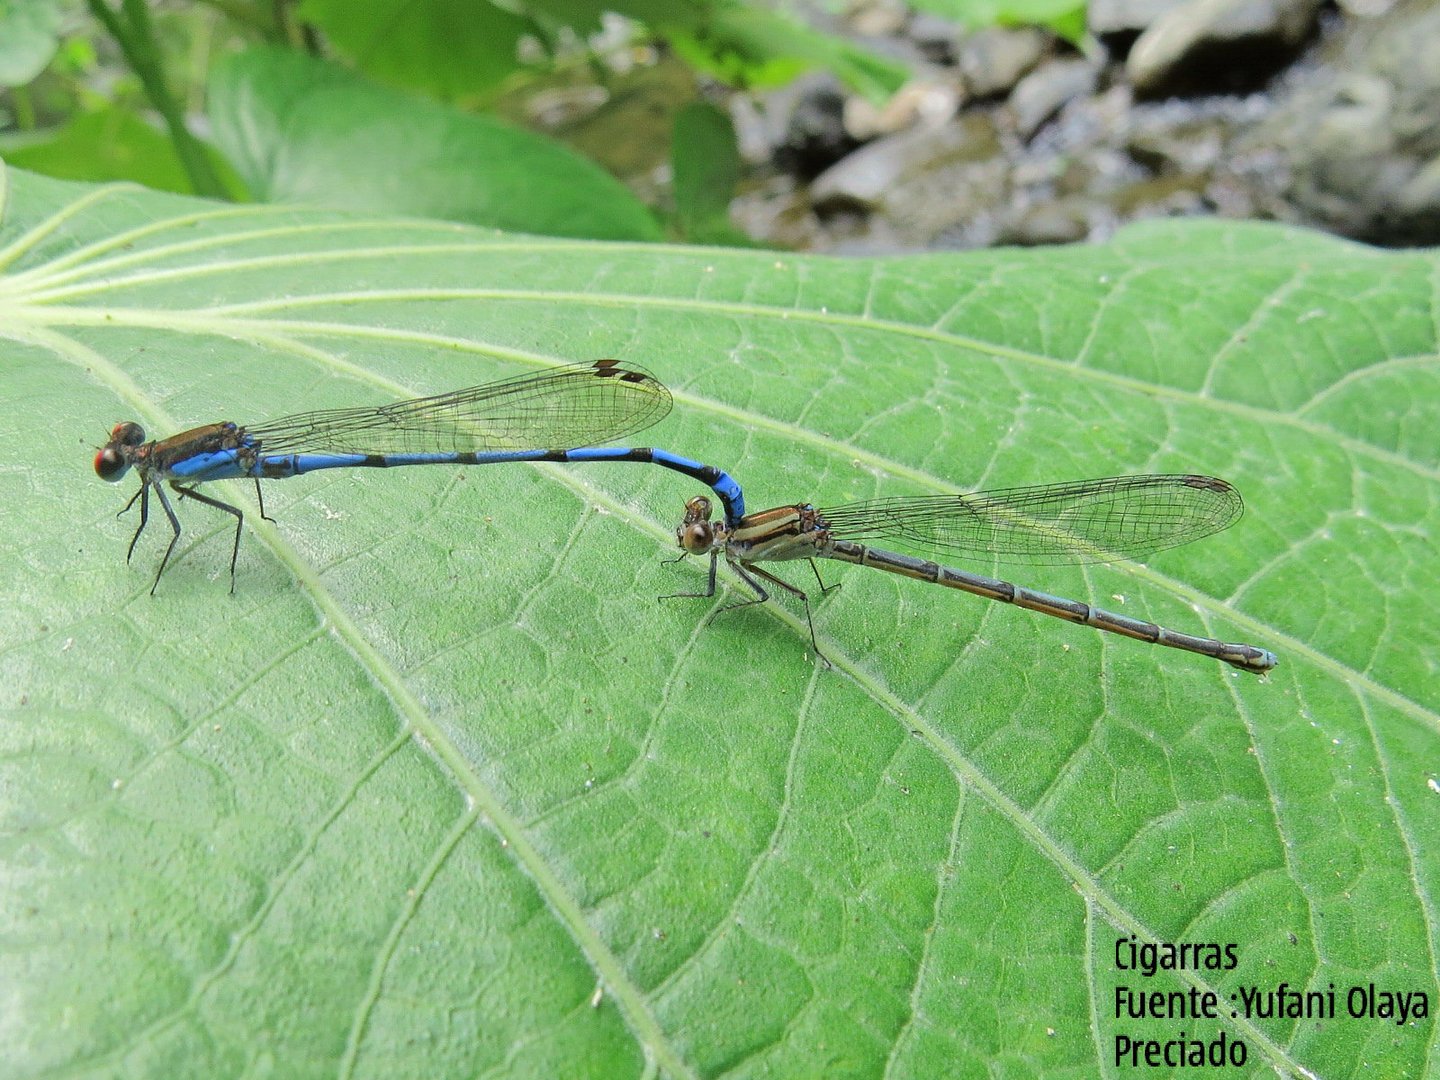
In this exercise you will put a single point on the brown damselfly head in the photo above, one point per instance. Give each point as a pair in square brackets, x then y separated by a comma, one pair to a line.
[115, 458]
[697, 534]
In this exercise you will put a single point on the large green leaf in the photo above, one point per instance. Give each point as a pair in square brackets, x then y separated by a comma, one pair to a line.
[29, 36]
[114, 143]
[447, 48]
[705, 167]
[442, 790]
[304, 130]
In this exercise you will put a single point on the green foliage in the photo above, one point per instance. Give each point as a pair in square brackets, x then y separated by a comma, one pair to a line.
[115, 144]
[442, 790]
[29, 36]
[1065, 17]
[705, 163]
[301, 129]
[746, 45]
[447, 48]
[458, 48]
[134, 32]
[304, 130]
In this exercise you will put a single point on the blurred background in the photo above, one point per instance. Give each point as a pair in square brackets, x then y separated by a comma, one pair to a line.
[865, 127]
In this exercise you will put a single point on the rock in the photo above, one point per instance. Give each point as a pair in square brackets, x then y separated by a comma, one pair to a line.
[993, 60]
[1042, 93]
[1163, 196]
[934, 36]
[1361, 132]
[1219, 45]
[805, 123]
[753, 134]
[861, 179]
[1186, 147]
[1421, 195]
[879, 173]
[1126, 18]
[773, 209]
[878, 18]
[1366, 9]
[1061, 221]
[1348, 138]
[928, 103]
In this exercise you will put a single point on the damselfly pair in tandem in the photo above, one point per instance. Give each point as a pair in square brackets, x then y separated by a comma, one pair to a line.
[562, 414]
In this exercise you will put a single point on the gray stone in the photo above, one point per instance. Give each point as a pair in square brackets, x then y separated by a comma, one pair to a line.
[921, 181]
[1062, 221]
[1192, 147]
[925, 102]
[805, 124]
[935, 36]
[1361, 131]
[1106, 18]
[878, 18]
[862, 178]
[993, 60]
[1219, 43]
[1042, 93]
